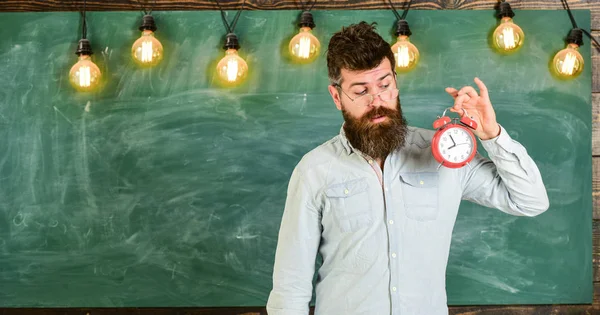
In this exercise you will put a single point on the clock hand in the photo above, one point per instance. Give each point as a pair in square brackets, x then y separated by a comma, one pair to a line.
[452, 142]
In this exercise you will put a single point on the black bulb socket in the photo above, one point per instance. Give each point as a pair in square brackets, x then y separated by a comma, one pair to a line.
[505, 10]
[402, 28]
[575, 37]
[148, 23]
[84, 47]
[231, 42]
[306, 20]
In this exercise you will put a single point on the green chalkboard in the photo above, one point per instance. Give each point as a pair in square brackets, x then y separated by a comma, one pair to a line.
[165, 189]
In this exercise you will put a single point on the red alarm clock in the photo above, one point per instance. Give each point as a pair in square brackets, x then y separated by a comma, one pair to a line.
[454, 145]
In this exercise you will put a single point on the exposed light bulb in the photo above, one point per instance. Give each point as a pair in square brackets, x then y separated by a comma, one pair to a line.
[508, 36]
[85, 75]
[406, 54]
[232, 69]
[305, 47]
[568, 63]
[147, 50]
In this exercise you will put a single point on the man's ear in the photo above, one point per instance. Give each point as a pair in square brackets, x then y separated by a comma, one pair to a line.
[335, 95]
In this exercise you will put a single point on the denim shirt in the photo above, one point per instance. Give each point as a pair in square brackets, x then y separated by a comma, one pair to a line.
[385, 236]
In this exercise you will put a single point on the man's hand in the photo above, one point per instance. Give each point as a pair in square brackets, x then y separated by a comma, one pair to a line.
[479, 108]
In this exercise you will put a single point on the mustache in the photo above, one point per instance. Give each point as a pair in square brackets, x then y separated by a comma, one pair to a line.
[379, 111]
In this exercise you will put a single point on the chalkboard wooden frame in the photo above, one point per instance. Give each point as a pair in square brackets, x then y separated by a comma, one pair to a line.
[25, 5]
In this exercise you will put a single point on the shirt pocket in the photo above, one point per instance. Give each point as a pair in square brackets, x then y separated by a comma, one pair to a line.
[420, 192]
[350, 204]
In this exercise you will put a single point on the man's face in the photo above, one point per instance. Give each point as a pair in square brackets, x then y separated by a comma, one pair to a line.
[354, 86]
[374, 125]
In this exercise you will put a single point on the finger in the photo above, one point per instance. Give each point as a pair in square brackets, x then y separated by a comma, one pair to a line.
[459, 102]
[469, 90]
[460, 111]
[483, 91]
[473, 95]
[452, 91]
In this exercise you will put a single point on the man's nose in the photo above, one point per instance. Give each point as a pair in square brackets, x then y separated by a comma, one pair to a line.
[376, 101]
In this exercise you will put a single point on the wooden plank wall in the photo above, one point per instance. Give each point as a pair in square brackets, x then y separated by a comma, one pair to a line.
[170, 5]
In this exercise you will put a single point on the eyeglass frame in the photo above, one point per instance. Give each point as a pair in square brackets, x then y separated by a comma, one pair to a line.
[337, 85]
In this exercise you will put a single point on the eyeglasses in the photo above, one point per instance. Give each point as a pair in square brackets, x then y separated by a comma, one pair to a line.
[390, 93]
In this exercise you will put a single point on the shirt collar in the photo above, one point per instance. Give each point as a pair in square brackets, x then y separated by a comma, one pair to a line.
[345, 142]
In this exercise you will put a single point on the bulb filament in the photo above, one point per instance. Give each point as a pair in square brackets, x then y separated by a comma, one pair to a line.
[508, 36]
[304, 49]
[84, 76]
[568, 66]
[232, 69]
[147, 51]
[403, 57]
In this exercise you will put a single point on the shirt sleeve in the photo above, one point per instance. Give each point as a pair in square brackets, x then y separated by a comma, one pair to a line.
[299, 237]
[509, 180]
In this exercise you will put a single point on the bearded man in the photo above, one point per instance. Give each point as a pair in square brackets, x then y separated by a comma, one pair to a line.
[374, 202]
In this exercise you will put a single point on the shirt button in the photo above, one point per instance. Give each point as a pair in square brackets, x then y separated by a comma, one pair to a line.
[370, 161]
[391, 221]
[421, 182]
[393, 255]
[346, 191]
[394, 289]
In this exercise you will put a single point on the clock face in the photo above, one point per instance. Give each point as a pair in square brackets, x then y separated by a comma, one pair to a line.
[455, 145]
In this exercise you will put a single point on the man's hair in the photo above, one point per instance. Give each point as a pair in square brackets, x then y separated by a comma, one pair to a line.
[357, 47]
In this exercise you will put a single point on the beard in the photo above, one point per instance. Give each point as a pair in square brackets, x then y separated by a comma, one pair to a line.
[377, 140]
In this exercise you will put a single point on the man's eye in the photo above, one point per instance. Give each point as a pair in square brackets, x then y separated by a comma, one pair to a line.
[363, 92]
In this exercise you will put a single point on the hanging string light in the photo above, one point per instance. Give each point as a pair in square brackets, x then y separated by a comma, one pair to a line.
[568, 63]
[305, 47]
[84, 75]
[147, 50]
[508, 36]
[406, 54]
[232, 69]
